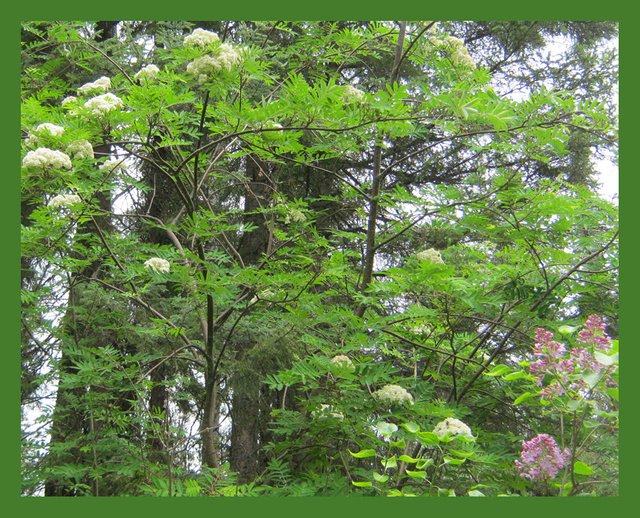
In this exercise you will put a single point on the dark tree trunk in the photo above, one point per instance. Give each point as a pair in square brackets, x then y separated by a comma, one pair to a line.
[245, 407]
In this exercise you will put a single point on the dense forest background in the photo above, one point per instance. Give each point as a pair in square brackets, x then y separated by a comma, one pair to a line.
[318, 258]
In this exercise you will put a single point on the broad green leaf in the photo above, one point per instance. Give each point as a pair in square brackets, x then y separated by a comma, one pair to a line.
[522, 397]
[424, 463]
[428, 438]
[613, 392]
[498, 370]
[406, 458]
[516, 375]
[363, 454]
[580, 468]
[567, 330]
[362, 484]
[421, 475]
[386, 429]
[475, 492]
[410, 427]
[380, 478]
[605, 359]
[402, 444]
[463, 454]
[390, 463]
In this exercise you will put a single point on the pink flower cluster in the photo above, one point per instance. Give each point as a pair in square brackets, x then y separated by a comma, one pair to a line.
[541, 458]
[553, 360]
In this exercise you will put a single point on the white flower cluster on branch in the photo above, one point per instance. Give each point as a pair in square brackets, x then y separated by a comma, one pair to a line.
[455, 48]
[295, 215]
[52, 129]
[343, 361]
[352, 94]
[112, 165]
[393, 395]
[43, 130]
[458, 53]
[431, 255]
[103, 103]
[157, 265]
[80, 149]
[103, 85]
[44, 158]
[224, 56]
[69, 100]
[148, 73]
[64, 200]
[452, 427]
[200, 38]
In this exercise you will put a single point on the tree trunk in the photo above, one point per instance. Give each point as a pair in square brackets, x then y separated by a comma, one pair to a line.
[246, 389]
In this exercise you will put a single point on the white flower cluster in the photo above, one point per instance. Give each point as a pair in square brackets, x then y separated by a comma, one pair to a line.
[157, 265]
[44, 129]
[200, 38]
[149, 73]
[225, 56]
[420, 329]
[203, 66]
[327, 411]
[52, 129]
[70, 99]
[296, 216]
[393, 395]
[103, 85]
[103, 103]
[458, 53]
[431, 255]
[45, 158]
[451, 427]
[266, 294]
[352, 93]
[80, 149]
[343, 361]
[111, 165]
[64, 200]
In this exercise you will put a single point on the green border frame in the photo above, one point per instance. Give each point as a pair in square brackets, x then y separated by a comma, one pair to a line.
[325, 9]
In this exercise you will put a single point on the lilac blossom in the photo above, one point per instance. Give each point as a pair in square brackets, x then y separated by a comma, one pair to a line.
[593, 334]
[552, 360]
[541, 458]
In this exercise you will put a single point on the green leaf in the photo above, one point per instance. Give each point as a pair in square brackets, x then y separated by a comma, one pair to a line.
[580, 468]
[605, 359]
[475, 492]
[424, 463]
[567, 330]
[380, 478]
[386, 429]
[411, 427]
[362, 484]
[522, 397]
[420, 475]
[463, 454]
[406, 458]
[498, 370]
[516, 375]
[592, 379]
[613, 392]
[402, 444]
[428, 438]
[363, 454]
[390, 463]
